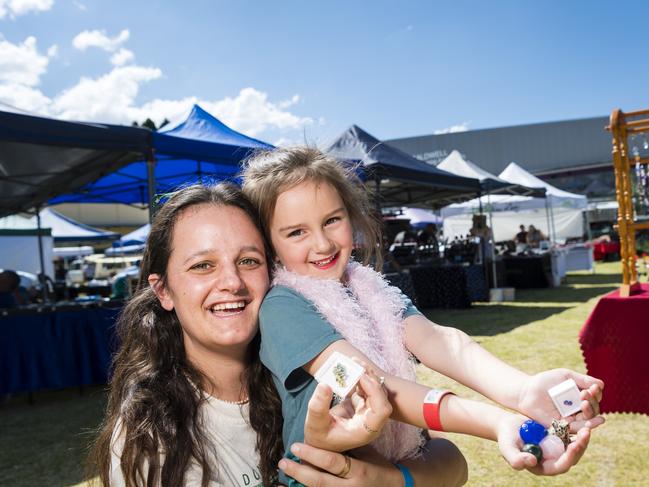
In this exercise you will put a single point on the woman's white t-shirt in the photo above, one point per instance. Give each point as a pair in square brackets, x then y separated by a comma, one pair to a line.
[231, 449]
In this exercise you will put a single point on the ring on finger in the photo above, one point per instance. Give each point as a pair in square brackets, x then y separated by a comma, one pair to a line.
[348, 466]
[368, 429]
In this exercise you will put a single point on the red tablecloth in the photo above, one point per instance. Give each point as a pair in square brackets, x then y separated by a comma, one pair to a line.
[615, 342]
[600, 250]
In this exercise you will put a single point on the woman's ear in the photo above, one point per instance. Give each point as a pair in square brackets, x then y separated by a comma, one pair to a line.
[161, 292]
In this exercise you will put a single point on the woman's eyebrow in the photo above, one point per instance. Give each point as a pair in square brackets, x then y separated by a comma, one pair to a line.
[252, 248]
[198, 254]
[211, 251]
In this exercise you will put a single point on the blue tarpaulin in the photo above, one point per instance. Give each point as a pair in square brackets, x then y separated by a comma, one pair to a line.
[199, 148]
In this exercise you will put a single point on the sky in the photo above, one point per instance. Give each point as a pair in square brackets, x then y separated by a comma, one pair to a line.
[295, 71]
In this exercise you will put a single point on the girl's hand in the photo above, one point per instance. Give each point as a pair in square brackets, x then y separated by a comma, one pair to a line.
[353, 423]
[534, 400]
[510, 444]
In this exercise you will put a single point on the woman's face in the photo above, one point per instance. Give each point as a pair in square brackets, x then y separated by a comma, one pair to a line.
[217, 277]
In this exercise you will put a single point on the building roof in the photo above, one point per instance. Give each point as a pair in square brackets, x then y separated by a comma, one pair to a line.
[542, 148]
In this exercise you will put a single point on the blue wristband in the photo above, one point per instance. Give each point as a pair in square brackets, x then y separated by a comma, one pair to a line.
[407, 477]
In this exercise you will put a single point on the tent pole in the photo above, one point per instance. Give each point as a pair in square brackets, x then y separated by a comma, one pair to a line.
[554, 230]
[547, 215]
[150, 173]
[493, 242]
[41, 258]
[589, 234]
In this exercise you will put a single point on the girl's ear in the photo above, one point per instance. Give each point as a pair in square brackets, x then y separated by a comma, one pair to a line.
[161, 292]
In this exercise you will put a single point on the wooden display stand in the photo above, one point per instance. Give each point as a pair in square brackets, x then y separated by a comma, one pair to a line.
[621, 126]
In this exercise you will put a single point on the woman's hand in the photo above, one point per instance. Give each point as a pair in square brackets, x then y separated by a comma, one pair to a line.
[510, 444]
[534, 400]
[324, 468]
[353, 423]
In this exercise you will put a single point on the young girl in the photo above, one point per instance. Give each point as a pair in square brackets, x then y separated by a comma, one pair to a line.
[314, 212]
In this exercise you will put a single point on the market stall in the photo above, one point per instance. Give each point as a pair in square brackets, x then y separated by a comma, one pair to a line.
[614, 337]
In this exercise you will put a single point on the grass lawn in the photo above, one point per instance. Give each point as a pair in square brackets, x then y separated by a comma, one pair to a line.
[44, 443]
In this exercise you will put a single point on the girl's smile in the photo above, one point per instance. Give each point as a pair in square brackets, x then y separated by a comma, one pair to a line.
[327, 263]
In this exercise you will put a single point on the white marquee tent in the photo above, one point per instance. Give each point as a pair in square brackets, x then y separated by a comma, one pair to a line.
[563, 220]
[64, 229]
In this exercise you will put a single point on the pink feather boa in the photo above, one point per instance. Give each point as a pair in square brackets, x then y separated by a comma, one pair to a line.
[368, 312]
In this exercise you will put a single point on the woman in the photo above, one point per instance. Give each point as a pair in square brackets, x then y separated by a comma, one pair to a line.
[190, 402]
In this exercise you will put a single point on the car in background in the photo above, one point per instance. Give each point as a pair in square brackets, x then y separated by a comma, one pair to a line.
[99, 267]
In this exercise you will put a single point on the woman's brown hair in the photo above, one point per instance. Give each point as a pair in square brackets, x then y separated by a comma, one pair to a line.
[155, 392]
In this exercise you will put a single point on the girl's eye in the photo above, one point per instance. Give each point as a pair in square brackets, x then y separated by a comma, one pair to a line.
[333, 219]
[295, 233]
[201, 266]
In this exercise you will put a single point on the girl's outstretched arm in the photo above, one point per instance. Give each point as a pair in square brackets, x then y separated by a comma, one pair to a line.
[460, 415]
[453, 353]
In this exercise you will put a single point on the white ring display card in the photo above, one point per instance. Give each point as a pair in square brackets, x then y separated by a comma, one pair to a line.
[566, 397]
[340, 373]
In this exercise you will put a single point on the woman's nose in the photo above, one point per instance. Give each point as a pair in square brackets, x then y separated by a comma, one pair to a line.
[229, 279]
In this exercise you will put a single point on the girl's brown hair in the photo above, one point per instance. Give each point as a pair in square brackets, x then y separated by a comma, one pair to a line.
[153, 389]
[267, 174]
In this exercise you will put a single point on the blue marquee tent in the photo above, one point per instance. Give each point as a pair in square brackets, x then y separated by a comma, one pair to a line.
[401, 179]
[200, 147]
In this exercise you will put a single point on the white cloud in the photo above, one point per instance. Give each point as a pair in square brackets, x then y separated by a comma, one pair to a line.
[122, 57]
[288, 103]
[112, 97]
[81, 6]
[21, 63]
[24, 97]
[249, 112]
[462, 127]
[108, 98]
[15, 8]
[98, 38]
[252, 113]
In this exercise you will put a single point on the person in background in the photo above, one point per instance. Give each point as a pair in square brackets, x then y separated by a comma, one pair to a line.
[521, 237]
[534, 237]
[428, 236]
[10, 289]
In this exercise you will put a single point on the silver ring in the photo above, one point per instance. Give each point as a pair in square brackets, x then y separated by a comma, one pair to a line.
[381, 380]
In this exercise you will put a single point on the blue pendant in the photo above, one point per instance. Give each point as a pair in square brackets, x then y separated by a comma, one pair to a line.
[532, 432]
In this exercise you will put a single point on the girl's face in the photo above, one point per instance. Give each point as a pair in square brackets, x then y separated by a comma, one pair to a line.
[217, 277]
[311, 231]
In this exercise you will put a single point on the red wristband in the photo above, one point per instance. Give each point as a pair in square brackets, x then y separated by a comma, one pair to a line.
[431, 408]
